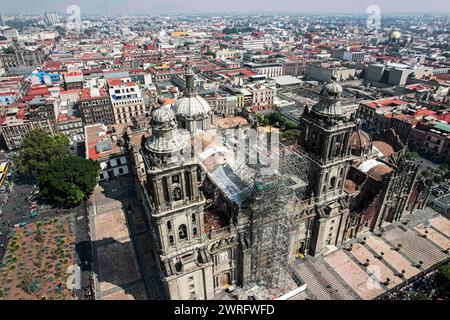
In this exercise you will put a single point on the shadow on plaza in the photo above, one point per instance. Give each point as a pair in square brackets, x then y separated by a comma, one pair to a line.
[122, 190]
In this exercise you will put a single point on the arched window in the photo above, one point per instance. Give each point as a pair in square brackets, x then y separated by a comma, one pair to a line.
[194, 218]
[169, 226]
[182, 232]
[194, 232]
[332, 183]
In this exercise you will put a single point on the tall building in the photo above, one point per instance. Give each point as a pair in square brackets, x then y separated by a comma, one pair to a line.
[177, 209]
[326, 138]
[52, 18]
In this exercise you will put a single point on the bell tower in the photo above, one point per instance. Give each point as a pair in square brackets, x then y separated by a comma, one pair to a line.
[326, 132]
[176, 207]
[325, 136]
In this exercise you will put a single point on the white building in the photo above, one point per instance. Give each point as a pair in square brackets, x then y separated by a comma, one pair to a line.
[127, 101]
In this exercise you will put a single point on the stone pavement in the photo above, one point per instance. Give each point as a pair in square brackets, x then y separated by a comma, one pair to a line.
[117, 272]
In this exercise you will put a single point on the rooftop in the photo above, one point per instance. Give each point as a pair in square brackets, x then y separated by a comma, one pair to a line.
[101, 142]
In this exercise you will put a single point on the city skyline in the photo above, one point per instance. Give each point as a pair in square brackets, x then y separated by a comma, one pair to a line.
[232, 6]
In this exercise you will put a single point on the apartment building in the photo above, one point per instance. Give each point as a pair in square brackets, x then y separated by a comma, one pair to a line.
[127, 102]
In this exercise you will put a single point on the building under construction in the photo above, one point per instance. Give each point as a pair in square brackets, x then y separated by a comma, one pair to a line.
[240, 207]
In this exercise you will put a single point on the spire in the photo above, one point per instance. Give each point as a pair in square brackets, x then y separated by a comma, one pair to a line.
[190, 77]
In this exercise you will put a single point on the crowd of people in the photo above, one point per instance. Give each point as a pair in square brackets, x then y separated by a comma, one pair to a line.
[431, 286]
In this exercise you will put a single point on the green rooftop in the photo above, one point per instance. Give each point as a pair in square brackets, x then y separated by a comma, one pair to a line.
[442, 127]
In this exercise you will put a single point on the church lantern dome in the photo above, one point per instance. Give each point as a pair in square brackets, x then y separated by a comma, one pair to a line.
[329, 104]
[166, 138]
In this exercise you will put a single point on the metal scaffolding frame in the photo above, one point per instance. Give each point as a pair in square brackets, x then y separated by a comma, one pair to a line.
[272, 218]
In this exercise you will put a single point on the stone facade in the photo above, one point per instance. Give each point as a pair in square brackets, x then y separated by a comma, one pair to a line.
[203, 235]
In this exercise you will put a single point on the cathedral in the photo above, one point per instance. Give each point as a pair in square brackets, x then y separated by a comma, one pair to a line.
[203, 207]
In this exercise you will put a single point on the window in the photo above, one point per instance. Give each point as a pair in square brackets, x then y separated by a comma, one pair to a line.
[182, 232]
[176, 194]
[332, 183]
[194, 232]
[170, 240]
[169, 225]
[194, 219]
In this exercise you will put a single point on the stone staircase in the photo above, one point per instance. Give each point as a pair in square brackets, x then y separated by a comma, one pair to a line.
[321, 282]
[415, 247]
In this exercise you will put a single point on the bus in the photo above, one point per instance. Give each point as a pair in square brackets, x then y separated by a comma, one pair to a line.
[4, 167]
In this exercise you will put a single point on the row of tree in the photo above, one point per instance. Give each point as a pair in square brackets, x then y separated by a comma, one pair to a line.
[62, 178]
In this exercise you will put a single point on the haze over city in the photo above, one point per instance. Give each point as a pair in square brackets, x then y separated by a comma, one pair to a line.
[263, 150]
[205, 6]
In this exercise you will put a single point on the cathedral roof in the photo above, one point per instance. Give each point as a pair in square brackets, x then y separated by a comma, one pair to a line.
[384, 148]
[379, 171]
[350, 186]
[374, 169]
[359, 140]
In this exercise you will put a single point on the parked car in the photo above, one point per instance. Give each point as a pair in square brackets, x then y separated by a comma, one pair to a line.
[438, 192]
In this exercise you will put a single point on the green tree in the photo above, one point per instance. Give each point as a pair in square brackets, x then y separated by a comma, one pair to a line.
[411, 155]
[68, 181]
[8, 50]
[38, 149]
[420, 296]
[444, 272]
[291, 135]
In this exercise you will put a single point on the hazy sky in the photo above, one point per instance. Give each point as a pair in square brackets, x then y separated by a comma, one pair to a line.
[155, 6]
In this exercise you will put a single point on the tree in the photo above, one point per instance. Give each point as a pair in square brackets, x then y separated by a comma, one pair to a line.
[291, 135]
[68, 181]
[444, 272]
[8, 50]
[38, 149]
[411, 155]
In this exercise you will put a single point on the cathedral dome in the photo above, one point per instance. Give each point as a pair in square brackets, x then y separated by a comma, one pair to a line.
[395, 35]
[192, 111]
[359, 140]
[192, 106]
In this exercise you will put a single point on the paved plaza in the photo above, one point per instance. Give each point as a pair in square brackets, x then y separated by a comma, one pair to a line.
[122, 249]
[117, 273]
[376, 264]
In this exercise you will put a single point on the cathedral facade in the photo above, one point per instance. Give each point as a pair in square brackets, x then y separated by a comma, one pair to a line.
[201, 210]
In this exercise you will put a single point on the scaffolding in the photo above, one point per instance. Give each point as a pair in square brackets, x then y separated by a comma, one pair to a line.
[274, 200]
